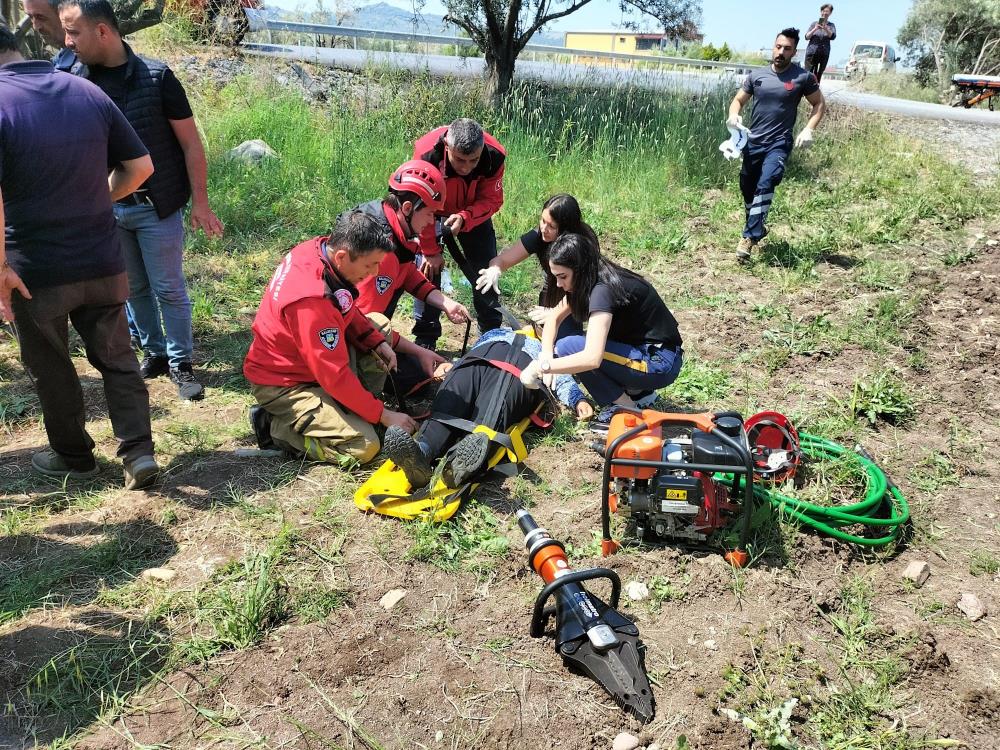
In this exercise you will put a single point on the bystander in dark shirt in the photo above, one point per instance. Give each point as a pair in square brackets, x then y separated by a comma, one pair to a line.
[112, 82]
[70, 236]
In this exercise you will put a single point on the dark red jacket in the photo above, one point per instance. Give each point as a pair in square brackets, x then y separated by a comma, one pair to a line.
[306, 320]
[397, 272]
[477, 196]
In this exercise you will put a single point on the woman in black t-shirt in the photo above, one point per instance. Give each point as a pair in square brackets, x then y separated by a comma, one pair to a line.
[632, 345]
[560, 214]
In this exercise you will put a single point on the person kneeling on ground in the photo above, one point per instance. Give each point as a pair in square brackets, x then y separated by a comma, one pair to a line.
[477, 391]
[632, 346]
[316, 360]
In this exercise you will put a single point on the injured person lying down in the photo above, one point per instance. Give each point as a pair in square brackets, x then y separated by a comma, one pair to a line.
[482, 388]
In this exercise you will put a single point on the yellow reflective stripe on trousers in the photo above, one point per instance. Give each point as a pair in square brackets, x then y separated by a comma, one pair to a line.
[632, 364]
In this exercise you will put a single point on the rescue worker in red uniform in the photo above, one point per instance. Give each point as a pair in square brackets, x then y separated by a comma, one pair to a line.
[472, 162]
[316, 361]
[416, 191]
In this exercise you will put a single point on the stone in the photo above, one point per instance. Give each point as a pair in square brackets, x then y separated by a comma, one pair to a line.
[636, 591]
[625, 741]
[160, 575]
[252, 152]
[971, 606]
[711, 645]
[438, 735]
[391, 598]
[917, 572]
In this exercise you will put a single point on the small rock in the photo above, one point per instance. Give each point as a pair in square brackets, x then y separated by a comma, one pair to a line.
[654, 746]
[711, 645]
[438, 735]
[992, 243]
[917, 571]
[162, 575]
[252, 152]
[625, 741]
[636, 591]
[971, 606]
[391, 598]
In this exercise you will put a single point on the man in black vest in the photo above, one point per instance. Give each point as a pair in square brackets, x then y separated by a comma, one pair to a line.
[150, 220]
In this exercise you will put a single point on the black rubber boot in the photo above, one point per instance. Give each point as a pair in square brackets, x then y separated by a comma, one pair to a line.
[464, 459]
[260, 420]
[406, 454]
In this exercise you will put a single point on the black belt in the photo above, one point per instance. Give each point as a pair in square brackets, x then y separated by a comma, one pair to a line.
[138, 198]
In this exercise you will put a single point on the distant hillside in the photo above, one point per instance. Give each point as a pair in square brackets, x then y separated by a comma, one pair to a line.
[388, 17]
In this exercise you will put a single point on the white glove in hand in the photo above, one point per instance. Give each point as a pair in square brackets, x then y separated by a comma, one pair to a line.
[531, 376]
[805, 139]
[489, 277]
[736, 123]
[538, 314]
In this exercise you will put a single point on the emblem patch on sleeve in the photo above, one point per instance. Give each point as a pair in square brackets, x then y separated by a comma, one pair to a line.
[344, 300]
[382, 284]
[330, 337]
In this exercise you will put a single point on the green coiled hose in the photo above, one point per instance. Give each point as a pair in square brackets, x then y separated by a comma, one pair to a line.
[830, 521]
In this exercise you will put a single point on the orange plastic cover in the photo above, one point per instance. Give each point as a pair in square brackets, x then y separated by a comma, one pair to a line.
[646, 446]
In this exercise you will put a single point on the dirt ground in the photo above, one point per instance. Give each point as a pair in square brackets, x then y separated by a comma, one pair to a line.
[452, 665]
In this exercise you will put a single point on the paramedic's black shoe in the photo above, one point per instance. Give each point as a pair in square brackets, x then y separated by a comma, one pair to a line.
[260, 420]
[400, 446]
[153, 367]
[464, 459]
[188, 387]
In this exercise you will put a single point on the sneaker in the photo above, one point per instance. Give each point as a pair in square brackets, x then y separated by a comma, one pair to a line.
[51, 464]
[141, 473]
[188, 387]
[153, 367]
[464, 459]
[644, 399]
[260, 420]
[136, 343]
[404, 451]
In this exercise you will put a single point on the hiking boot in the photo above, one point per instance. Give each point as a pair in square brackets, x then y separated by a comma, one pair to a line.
[51, 464]
[404, 451]
[141, 473]
[464, 459]
[188, 387]
[260, 420]
[744, 249]
[153, 367]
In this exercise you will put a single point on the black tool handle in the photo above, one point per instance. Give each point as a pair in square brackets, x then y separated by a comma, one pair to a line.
[539, 615]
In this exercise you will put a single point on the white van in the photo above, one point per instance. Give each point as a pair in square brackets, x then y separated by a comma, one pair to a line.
[870, 57]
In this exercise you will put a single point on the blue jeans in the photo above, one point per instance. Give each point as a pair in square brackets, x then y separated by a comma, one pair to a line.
[624, 368]
[763, 168]
[158, 302]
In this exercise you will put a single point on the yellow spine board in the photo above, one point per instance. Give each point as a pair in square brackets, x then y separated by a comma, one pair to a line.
[442, 503]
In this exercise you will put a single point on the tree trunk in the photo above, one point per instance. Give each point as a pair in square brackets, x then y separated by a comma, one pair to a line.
[10, 12]
[499, 73]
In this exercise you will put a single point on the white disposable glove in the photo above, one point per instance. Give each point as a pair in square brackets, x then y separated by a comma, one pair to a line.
[531, 376]
[805, 139]
[538, 314]
[489, 277]
[735, 122]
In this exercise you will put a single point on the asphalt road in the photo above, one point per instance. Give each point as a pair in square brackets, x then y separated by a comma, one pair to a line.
[693, 80]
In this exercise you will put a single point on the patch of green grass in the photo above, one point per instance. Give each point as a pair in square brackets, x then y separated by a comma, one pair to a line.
[935, 471]
[984, 563]
[699, 384]
[468, 542]
[881, 396]
[662, 590]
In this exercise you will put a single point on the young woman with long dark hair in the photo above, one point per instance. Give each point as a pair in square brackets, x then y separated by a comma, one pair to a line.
[560, 215]
[632, 345]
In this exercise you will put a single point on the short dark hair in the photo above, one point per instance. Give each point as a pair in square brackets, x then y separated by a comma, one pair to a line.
[824, 6]
[359, 234]
[97, 11]
[790, 33]
[8, 42]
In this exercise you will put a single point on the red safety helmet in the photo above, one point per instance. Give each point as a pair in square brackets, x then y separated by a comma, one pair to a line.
[422, 179]
[774, 445]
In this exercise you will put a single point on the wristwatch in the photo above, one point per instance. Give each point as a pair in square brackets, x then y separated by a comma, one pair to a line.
[544, 365]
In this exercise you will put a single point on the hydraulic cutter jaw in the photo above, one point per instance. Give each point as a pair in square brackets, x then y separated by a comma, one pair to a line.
[612, 655]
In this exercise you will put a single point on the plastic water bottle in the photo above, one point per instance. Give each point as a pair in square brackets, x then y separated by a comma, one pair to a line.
[446, 286]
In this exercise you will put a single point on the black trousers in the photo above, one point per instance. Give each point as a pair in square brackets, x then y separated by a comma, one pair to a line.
[480, 247]
[97, 310]
[816, 63]
[467, 393]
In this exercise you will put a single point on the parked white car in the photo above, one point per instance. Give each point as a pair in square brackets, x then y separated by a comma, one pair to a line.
[870, 57]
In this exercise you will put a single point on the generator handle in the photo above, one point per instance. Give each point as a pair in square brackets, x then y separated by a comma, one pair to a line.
[742, 450]
[606, 484]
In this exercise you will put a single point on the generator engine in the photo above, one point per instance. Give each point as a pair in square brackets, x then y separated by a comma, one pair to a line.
[674, 499]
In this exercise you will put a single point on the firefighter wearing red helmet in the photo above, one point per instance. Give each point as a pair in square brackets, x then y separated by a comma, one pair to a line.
[416, 191]
[472, 162]
[316, 361]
